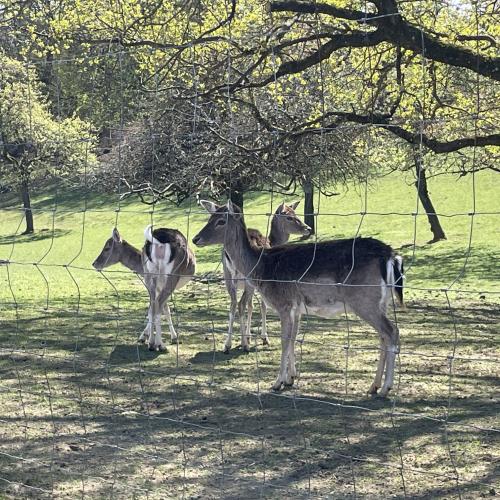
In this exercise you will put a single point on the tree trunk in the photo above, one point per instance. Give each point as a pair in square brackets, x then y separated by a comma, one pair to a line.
[236, 196]
[25, 196]
[423, 194]
[309, 218]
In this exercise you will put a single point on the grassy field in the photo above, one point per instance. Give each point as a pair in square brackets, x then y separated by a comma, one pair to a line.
[86, 412]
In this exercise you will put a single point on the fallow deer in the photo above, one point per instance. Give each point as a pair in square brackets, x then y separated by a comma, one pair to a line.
[322, 278]
[284, 223]
[117, 250]
[168, 265]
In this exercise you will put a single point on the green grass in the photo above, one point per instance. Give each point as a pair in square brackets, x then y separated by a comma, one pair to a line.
[85, 409]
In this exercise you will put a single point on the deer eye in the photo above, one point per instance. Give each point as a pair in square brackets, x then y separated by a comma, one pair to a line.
[220, 222]
[290, 218]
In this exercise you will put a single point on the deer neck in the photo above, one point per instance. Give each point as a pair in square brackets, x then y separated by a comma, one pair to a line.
[131, 258]
[277, 235]
[239, 250]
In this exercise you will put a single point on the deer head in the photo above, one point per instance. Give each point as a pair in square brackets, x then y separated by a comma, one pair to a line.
[286, 221]
[111, 252]
[214, 231]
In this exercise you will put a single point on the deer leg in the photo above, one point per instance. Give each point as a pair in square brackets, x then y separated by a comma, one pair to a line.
[232, 289]
[263, 314]
[392, 350]
[286, 334]
[146, 333]
[160, 305]
[377, 383]
[174, 339]
[389, 338]
[245, 305]
[249, 307]
[156, 341]
[291, 372]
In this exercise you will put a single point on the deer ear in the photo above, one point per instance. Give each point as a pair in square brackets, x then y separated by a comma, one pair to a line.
[209, 206]
[116, 235]
[294, 205]
[280, 208]
[233, 210]
[148, 233]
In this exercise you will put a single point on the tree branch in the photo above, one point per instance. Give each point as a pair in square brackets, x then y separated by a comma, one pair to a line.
[354, 39]
[319, 8]
[384, 121]
[393, 28]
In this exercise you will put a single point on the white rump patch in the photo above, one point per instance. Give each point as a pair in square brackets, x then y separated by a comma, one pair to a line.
[159, 251]
[159, 265]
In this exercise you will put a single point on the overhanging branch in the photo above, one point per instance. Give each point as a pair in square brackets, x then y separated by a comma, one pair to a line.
[354, 39]
[414, 138]
[393, 28]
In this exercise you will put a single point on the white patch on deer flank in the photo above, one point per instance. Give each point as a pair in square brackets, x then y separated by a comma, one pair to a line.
[324, 311]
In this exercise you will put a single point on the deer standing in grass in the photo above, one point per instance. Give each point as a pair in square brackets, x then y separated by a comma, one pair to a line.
[322, 278]
[284, 223]
[166, 262]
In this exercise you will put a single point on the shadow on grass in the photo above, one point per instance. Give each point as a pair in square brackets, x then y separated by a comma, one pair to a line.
[447, 264]
[208, 357]
[191, 421]
[123, 354]
[40, 235]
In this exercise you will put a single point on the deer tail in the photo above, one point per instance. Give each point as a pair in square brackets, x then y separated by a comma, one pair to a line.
[392, 274]
[148, 233]
[397, 263]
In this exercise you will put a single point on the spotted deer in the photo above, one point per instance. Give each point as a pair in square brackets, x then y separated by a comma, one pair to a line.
[117, 250]
[284, 223]
[323, 279]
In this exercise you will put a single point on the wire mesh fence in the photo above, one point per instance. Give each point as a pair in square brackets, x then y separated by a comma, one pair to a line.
[86, 411]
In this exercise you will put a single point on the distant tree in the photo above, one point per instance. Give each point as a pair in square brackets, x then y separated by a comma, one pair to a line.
[182, 148]
[174, 152]
[35, 145]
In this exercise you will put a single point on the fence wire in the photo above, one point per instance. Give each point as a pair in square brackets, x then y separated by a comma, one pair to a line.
[87, 412]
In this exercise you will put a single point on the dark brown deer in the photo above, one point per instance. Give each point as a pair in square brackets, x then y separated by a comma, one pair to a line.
[284, 223]
[322, 278]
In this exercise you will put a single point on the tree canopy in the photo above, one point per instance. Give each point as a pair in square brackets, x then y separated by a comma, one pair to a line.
[266, 84]
[34, 143]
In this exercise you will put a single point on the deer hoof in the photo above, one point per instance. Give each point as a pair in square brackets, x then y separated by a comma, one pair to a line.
[175, 341]
[157, 348]
[373, 389]
[265, 341]
[245, 348]
[141, 340]
[227, 348]
[289, 382]
[383, 393]
[277, 386]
